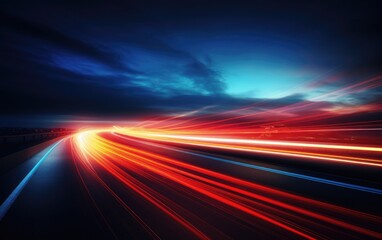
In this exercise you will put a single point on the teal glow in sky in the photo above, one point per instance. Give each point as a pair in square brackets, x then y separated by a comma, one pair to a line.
[131, 59]
[255, 67]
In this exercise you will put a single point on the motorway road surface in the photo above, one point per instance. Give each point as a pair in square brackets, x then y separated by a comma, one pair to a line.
[112, 186]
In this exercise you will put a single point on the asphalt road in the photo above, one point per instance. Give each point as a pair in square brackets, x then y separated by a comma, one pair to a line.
[128, 188]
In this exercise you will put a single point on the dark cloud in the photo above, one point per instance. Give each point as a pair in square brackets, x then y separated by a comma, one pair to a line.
[60, 40]
[65, 88]
[124, 58]
[204, 77]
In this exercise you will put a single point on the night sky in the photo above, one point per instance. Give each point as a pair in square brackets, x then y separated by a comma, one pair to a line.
[79, 60]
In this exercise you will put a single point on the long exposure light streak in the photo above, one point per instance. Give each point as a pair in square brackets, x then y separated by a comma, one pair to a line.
[277, 143]
[16, 192]
[168, 160]
[288, 149]
[290, 174]
[237, 197]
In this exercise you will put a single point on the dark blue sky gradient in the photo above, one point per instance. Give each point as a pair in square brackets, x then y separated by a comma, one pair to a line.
[66, 60]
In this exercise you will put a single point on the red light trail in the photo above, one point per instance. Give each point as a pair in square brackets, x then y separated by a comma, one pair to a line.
[236, 197]
[132, 156]
[285, 172]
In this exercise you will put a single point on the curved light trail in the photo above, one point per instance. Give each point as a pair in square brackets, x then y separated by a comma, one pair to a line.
[139, 169]
[266, 169]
